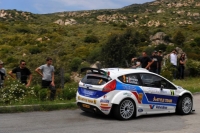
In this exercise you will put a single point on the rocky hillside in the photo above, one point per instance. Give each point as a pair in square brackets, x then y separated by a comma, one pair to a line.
[153, 14]
[78, 36]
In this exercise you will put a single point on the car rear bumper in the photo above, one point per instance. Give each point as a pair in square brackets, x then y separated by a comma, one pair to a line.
[92, 109]
[99, 105]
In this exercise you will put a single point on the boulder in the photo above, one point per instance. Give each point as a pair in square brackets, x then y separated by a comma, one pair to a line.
[158, 38]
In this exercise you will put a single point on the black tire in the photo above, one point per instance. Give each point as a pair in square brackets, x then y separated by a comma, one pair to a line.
[184, 105]
[125, 110]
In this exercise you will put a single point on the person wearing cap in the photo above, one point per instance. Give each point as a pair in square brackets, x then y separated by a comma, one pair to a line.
[173, 61]
[47, 73]
[22, 73]
[154, 64]
[2, 74]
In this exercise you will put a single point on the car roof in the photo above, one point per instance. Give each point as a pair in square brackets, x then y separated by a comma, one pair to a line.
[122, 71]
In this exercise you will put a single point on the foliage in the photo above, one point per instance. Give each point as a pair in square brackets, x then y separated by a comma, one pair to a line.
[197, 41]
[43, 94]
[193, 67]
[34, 50]
[14, 91]
[118, 49]
[74, 65]
[179, 38]
[162, 47]
[67, 77]
[69, 91]
[167, 71]
[83, 64]
[91, 39]
[122, 34]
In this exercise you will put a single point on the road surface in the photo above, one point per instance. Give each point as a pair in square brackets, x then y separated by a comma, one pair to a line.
[77, 121]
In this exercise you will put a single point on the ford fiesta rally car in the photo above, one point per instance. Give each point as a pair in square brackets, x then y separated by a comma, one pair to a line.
[131, 92]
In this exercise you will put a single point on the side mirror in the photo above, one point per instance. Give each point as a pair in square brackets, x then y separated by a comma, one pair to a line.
[161, 87]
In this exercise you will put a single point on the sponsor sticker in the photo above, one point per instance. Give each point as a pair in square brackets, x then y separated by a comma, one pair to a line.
[163, 100]
[104, 101]
[127, 94]
[157, 107]
[87, 100]
[140, 110]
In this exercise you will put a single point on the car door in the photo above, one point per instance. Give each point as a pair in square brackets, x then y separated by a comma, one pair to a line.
[160, 94]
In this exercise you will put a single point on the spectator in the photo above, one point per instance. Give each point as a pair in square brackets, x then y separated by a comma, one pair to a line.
[136, 63]
[173, 61]
[182, 62]
[145, 60]
[154, 64]
[2, 74]
[22, 73]
[47, 73]
[160, 59]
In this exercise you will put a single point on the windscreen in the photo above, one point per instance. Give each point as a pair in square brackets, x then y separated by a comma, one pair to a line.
[94, 79]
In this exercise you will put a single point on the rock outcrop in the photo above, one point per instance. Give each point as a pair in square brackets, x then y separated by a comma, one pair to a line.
[158, 38]
[66, 22]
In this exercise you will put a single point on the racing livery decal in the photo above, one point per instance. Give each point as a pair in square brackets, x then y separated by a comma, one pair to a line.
[161, 98]
[157, 107]
[172, 92]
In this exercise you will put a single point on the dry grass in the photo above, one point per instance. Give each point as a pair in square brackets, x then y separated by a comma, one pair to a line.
[191, 84]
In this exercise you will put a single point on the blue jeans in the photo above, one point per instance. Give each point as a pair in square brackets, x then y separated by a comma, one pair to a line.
[181, 71]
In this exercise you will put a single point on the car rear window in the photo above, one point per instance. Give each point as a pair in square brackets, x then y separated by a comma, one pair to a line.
[94, 80]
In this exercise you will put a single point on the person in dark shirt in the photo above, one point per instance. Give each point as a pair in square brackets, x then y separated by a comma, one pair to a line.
[182, 66]
[145, 60]
[154, 64]
[22, 73]
[160, 59]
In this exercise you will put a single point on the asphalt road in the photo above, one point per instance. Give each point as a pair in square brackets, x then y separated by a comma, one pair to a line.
[76, 121]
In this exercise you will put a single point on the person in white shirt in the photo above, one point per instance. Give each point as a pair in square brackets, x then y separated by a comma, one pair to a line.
[173, 61]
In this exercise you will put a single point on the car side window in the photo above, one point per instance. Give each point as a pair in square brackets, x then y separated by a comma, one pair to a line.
[151, 80]
[129, 79]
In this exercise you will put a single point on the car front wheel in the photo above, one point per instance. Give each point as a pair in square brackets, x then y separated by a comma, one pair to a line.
[184, 105]
[125, 110]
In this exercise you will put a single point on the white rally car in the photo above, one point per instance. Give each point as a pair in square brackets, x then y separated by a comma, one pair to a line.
[131, 92]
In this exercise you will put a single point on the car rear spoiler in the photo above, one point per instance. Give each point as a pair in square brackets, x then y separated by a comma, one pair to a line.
[94, 70]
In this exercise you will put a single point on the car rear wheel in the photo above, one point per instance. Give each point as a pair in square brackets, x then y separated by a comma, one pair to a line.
[125, 110]
[184, 105]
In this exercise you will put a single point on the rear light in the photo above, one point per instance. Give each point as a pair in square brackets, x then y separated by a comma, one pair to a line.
[110, 86]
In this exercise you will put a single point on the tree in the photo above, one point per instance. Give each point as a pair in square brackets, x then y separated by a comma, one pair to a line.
[197, 41]
[118, 49]
[179, 38]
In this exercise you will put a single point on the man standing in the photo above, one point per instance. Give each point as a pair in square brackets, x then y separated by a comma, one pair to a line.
[22, 73]
[173, 61]
[154, 64]
[47, 73]
[145, 60]
[2, 74]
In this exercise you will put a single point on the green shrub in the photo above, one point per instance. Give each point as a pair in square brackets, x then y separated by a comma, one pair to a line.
[167, 71]
[84, 64]
[67, 77]
[34, 50]
[75, 63]
[14, 92]
[69, 91]
[43, 94]
[91, 39]
[193, 67]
